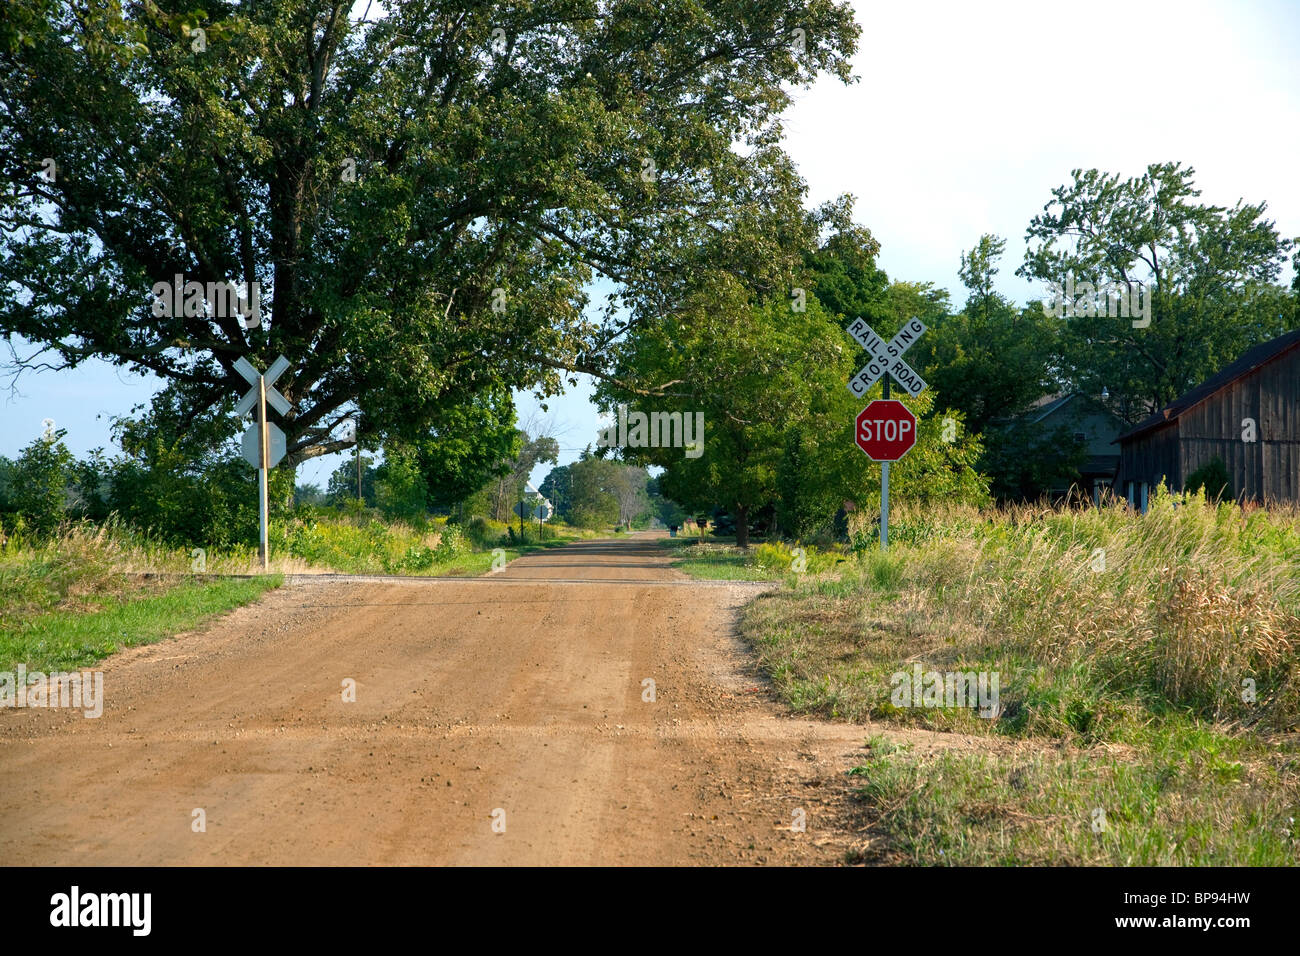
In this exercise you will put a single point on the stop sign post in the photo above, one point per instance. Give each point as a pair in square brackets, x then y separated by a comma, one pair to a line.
[886, 428]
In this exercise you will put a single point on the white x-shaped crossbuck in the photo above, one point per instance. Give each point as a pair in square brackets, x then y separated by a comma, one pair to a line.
[886, 358]
[277, 401]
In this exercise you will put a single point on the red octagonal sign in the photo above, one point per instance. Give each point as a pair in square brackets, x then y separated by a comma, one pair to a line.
[885, 430]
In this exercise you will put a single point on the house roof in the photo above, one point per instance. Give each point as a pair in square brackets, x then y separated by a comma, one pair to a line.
[1254, 358]
[1047, 405]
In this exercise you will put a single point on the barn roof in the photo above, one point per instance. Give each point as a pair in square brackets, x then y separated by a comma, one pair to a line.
[1253, 358]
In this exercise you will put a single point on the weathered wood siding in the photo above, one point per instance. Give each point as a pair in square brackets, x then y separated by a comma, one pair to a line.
[1267, 467]
[1150, 457]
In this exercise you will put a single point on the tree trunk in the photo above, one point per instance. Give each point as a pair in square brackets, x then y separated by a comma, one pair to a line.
[742, 526]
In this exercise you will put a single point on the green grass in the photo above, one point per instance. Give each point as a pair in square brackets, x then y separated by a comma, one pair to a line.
[69, 639]
[718, 559]
[365, 544]
[1117, 672]
[70, 600]
[712, 560]
[1170, 806]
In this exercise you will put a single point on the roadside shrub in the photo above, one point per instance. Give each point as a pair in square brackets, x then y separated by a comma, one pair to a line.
[484, 532]
[451, 544]
[38, 482]
[781, 557]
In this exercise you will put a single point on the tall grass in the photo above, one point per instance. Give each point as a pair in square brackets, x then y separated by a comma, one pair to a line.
[1192, 604]
[1095, 617]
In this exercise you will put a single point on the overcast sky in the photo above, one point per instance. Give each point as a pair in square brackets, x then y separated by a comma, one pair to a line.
[966, 115]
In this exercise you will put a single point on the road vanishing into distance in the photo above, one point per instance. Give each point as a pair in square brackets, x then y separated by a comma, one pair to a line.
[507, 719]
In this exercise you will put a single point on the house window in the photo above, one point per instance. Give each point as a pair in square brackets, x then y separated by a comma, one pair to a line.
[1128, 492]
[1144, 497]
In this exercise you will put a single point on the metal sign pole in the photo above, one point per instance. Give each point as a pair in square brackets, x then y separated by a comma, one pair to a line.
[265, 455]
[884, 491]
[263, 445]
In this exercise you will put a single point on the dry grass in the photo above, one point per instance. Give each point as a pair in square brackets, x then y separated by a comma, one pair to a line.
[1092, 617]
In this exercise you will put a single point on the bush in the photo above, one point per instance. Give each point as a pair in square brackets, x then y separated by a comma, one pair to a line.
[37, 484]
[451, 544]
[779, 556]
[1214, 478]
[484, 532]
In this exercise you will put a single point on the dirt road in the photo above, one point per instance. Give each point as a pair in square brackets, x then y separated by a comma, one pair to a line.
[512, 702]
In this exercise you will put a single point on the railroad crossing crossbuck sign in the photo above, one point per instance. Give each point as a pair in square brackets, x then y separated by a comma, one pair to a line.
[886, 429]
[886, 359]
[263, 445]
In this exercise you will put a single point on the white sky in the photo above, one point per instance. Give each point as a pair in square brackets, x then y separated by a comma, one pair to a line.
[967, 114]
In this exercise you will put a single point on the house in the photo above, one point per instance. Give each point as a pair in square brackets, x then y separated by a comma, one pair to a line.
[1056, 427]
[1248, 416]
[1091, 425]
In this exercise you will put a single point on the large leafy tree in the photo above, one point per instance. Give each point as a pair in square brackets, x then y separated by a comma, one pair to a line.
[750, 370]
[594, 502]
[771, 379]
[472, 444]
[1210, 272]
[992, 359]
[420, 194]
[557, 488]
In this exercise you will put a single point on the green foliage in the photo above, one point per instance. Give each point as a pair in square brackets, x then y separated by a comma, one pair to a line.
[557, 488]
[484, 532]
[1024, 461]
[342, 485]
[451, 544]
[595, 505]
[428, 206]
[805, 504]
[667, 511]
[1209, 271]
[37, 485]
[1213, 477]
[209, 503]
[401, 491]
[779, 556]
[991, 360]
[472, 443]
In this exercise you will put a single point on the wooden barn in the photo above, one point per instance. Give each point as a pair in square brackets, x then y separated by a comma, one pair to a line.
[1248, 416]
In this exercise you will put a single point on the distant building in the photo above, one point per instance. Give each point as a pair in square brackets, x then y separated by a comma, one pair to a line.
[1090, 424]
[1248, 416]
[1051, 428]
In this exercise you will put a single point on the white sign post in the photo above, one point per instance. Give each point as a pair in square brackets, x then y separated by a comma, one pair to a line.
[887, 361]
[263, 445]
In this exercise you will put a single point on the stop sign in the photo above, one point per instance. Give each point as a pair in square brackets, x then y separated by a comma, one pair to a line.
[885, 430]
